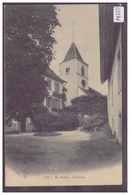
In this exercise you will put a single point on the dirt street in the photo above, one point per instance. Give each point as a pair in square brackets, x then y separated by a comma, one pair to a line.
[69, 152]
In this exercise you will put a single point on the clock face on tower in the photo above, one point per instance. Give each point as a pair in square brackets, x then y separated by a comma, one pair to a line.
[83, 83]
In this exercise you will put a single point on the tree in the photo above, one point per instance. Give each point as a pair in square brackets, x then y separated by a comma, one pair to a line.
[90, 105]
[28, 51]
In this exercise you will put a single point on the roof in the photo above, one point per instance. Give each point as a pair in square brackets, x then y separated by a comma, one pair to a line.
[73, 53]
[51, 74]
[91, 92]
[87, 92]
[109, 32]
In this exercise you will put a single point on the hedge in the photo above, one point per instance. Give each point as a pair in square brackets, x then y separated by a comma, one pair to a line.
[56, 122]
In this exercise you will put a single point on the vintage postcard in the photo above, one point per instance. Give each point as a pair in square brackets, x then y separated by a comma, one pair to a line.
[65, 96]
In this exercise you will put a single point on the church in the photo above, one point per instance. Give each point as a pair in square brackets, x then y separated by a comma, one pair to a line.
[74, 70]
[73, 74]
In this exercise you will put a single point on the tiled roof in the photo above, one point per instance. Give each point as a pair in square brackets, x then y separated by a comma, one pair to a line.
[51, 74]
[73, 53]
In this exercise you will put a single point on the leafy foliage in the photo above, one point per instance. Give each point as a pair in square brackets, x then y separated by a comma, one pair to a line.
[89, 105]
[28, 44]
[66, 121]
[67, 118]
[95, 122]
[58, 120]
[43, 120]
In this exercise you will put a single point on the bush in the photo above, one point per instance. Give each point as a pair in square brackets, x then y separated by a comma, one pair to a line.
[66, 121]
[43, 120]
[54, 121]
[69, 120]
[95, 122]
[58, 110]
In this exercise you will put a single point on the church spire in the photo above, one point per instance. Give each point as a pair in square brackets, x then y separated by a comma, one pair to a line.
[72, 53]
[73, 31]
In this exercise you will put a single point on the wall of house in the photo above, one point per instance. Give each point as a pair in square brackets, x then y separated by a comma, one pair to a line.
[71, 78]
[115, 93]
[52, 85]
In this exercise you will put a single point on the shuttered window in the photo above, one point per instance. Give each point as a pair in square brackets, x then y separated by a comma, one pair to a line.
[57, 87]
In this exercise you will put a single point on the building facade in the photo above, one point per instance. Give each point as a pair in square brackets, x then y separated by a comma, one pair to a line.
[111, 66]
[75, 71]
[55, 86]
[115, 93]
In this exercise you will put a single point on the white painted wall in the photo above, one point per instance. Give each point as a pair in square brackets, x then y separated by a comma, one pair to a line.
[115, 106]
[74, 78]
[79, 66]
[80, 92]
[80, 77]
[70, 78]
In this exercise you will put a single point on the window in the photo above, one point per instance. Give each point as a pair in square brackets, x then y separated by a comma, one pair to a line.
[57, 87]
[83, 83]
[49, 84]
[48, 101]
[55, 103]
[67, 70]
[119, 72]
[82, 71]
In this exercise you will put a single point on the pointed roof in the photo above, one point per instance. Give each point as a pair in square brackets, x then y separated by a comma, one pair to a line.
[73, 53]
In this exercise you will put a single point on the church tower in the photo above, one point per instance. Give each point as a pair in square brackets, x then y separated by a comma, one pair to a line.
[75, 71]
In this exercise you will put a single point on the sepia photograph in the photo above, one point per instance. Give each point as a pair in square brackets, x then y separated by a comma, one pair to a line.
[65, 96]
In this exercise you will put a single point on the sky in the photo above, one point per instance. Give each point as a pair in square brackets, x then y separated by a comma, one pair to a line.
[86, 38]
